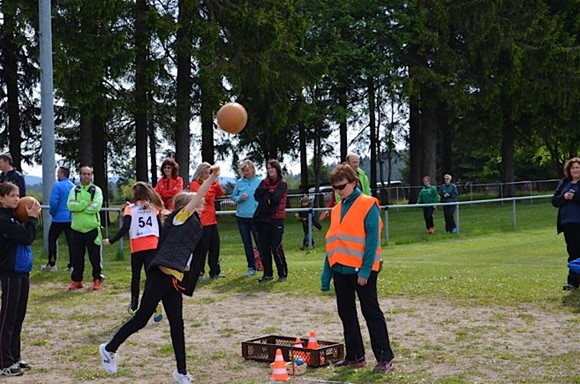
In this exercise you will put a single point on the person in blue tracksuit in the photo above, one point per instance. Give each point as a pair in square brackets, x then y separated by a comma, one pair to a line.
[61, 218]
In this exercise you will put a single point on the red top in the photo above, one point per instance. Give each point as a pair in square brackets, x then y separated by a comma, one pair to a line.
[167, 188]
[208, 216]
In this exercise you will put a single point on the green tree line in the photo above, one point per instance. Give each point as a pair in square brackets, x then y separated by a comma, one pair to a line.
[483, 89]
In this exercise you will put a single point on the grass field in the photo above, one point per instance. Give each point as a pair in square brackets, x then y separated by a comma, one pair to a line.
[482, 306]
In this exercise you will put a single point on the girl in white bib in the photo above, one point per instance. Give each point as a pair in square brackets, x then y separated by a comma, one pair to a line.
[142, 220]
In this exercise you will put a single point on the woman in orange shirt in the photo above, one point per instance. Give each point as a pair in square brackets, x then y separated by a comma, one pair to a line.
[211, 237]
[170, 183]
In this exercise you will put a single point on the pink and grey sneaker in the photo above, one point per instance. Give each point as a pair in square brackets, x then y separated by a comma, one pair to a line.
[384, 367]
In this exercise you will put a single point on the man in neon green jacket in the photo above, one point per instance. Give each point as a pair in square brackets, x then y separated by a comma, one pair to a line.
[84, 202]
[353, 160]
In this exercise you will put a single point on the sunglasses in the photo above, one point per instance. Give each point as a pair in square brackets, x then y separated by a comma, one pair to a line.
[340, 187]
[168, 167]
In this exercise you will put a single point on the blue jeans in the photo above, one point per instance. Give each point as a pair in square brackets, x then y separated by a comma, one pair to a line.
[247, 230]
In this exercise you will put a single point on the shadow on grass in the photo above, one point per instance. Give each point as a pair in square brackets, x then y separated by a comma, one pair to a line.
[572, 300]
[243, 284]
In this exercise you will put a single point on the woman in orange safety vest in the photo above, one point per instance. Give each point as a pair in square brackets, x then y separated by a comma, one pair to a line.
[353, 261]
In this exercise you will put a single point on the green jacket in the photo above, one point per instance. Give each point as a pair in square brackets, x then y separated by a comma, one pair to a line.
[428, 195]
[85, 217]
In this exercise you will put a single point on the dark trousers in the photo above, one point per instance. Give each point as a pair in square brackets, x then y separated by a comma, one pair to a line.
[572, 236]
[14, 302]
[448, 211]
[211, 249]
[53, 233]
[247, 230]
[270, 236]
[428, 216]
[345, 287]
[158, 287]
[80, 243]
[139, 260]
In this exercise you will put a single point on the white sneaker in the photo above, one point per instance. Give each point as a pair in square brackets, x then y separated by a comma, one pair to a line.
[108, 359]
[49, 268]
[181, 378]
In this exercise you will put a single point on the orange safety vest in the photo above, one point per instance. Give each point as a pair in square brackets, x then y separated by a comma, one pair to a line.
[345, 239]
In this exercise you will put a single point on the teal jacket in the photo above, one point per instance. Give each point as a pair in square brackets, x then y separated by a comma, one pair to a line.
[450, 189]
[371, 223]
[85, 217]
[428, 195]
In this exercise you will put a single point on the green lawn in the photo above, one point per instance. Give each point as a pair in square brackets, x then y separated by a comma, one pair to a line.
[489, 266]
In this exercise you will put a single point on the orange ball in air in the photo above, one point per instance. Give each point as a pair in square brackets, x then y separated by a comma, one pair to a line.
[232, 118]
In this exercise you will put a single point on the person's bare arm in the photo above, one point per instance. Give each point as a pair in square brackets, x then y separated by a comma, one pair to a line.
[197, 200]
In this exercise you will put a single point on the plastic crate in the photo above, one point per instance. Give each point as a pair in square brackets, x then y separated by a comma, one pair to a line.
[264, 349]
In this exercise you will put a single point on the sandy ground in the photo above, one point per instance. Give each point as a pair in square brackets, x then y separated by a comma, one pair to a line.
[434, 338]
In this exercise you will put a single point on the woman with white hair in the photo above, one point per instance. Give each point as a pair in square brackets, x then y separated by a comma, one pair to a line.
[246, 205]
[211, 236]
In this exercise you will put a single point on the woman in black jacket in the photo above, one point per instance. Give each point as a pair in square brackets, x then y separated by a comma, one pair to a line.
[16, 239]
[567, 200]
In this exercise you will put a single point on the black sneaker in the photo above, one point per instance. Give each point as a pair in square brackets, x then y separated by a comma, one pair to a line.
[13, 370]
[264, 279]
[384, 367]
[569, 287]
[346, 363]
[282, 278]
[24, 365]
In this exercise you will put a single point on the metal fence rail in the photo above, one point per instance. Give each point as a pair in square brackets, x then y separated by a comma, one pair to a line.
[384, 208]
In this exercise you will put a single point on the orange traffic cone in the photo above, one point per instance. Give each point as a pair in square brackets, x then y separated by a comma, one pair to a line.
[298, 354]
[298, 343]
[279, 372]
[312, 342]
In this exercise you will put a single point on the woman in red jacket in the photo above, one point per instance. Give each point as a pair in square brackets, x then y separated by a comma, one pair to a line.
[170, 183]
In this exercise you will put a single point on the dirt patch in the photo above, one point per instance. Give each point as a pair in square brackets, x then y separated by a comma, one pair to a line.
[430, 340]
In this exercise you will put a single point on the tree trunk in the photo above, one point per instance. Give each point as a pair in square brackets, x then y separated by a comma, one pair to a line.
[343, 125]
[507, 147]
[428, 138]
[303, 158]
[153, 154]
[10, 64]
[141, 85]
[85, 140]
[373, 136]
[415, 149]
[446, 140]
[183, 47]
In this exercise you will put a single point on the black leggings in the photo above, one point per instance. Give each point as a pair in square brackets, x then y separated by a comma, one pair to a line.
[270, 237]
[572, 236]
[139, 260]
[53, 233]
[14, 303]
[158, 287]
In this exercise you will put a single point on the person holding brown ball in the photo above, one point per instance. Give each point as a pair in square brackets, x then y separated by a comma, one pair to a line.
[16, 240]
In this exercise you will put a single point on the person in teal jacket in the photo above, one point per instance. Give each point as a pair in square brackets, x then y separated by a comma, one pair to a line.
[85, 202]
[243, 196]
[448, 193]
[428, 195]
